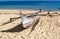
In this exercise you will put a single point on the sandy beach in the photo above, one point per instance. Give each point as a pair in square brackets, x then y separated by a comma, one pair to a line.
[46, 27]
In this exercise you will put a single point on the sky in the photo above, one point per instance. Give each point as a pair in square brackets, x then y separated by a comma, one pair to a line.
[29, 0]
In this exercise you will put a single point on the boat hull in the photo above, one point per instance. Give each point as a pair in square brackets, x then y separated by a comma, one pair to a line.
[28, 24]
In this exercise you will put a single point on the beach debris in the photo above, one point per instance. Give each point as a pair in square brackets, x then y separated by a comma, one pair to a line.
[28, 21]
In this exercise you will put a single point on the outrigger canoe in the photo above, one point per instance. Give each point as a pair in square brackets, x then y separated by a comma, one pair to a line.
[26, 22]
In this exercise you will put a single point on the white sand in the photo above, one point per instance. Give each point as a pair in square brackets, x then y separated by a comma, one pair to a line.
[46, 28]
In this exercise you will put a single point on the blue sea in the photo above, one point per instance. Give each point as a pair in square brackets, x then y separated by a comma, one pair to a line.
[34, 5]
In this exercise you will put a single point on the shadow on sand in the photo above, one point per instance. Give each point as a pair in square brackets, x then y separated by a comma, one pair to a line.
[33, 27]
[17, 28]
[20, 28]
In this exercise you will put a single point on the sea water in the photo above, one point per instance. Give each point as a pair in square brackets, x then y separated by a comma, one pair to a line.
[34, 5]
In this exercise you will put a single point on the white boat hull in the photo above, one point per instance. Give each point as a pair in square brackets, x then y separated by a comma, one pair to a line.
[31, 23]
[28, 21]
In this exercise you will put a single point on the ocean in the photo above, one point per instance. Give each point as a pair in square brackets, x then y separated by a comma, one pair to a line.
[34, 5]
